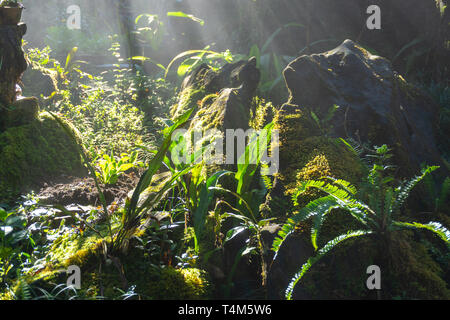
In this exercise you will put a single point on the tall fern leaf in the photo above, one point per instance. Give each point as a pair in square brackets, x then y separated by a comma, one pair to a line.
[317, 207]
[307, 265]
[434, 227]
[403, 192]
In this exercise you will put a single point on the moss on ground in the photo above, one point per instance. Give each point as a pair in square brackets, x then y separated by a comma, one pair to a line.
[110, 276]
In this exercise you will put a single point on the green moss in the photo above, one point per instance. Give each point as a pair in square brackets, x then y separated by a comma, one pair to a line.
[6, 296]
[74, 249]
[182, 284]
[305, 154]
[410, 274]
[318, 157]
[22, 112]
[208, 100]
[33, 152]
[190, 98]
[262, 113]
[100, 277]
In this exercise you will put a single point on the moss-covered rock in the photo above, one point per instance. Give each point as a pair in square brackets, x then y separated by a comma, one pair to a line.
[21, 112]
[377, 106]
[35, 152]
[263, 113]
[304, 154]
[410, 273]
[189, 98]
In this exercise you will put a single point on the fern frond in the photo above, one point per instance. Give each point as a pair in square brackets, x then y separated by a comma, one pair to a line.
[403, 191]
[353, 146]
[266, 179]
[329, 246]
[329, 188]
[347, 201]
[347, 186]
[359, 210]
[25, 290]
[377, 201]
[317, 224]
[317, 207]
[435, 227]
[304, 185]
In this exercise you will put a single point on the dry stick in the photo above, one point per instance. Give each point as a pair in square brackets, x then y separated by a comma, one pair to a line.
[119, 268]
[100, 278]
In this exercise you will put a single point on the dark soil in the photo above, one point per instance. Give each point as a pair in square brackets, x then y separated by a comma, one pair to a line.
[68, 190]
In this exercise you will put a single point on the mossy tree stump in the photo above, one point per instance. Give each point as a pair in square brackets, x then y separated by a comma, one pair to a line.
[12, 64]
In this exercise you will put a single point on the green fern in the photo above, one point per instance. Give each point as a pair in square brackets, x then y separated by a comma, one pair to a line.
[25, 290]
[268, 184]
[434, 227]
[403, 191]
[375, 212]
[323, 251]
[318, 207]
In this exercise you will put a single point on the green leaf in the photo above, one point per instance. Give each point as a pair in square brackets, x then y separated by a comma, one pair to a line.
[70, 57]
[316, 119]
[434, 227]
[323, 251]
[402, 193]
[182, 55]
[147, 59]
[206, 197]
[126, 166]
[277, 32]
[234, 232]
[131, 217]
[254, 52]
[406, 47]
[150, 17]
[249, 250]
[319, 207]
[345, 198]
[3, 214]
[185, 15]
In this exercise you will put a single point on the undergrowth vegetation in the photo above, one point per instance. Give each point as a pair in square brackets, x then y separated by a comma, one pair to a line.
[160, 229]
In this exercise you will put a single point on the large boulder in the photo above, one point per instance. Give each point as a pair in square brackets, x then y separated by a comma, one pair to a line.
[34, 150]
[206, 87]
[222, 99]
[377, 105]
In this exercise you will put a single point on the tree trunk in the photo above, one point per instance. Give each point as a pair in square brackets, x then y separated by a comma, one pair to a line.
[12, 64]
